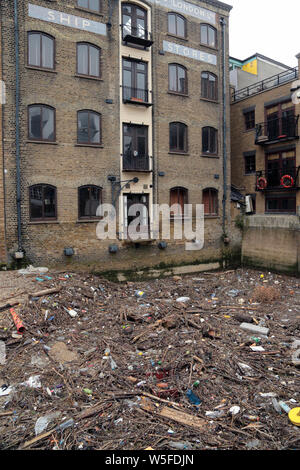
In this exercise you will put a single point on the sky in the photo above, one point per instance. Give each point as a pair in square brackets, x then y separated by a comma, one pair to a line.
[270, 27]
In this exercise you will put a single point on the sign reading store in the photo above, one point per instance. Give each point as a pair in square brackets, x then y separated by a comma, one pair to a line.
[189, 52]
[58, 17]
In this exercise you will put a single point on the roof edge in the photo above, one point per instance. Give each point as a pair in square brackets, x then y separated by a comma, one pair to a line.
[218, 4]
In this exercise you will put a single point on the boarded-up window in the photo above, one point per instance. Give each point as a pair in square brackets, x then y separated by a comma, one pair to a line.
[178, 196]
[210, 201]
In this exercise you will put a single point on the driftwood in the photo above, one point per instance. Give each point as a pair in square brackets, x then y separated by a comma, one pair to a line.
[43, 293]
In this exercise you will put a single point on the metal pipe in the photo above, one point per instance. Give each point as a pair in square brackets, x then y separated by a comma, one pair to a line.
[18, 171]
[223, 24]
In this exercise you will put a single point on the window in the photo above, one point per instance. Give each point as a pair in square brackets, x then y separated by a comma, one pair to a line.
[249, 120]
[93, 5]
[88, 60]
[250, 163]
[281, 203]
[42, 202]
[178, 137]
[209, 86]
[208, 36]
[177, 25]
[177, 79]
[210, 201]
[90, 197]
[135, 80]
[281, 121]
[278, 165]
[209, 140]
[89, 128]
[178, 196]
[134, 21]
[40, 50]
[135, 148]
[41, 123]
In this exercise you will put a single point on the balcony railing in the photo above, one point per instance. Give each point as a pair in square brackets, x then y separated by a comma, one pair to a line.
[137, 96]
[278, 179]
[267, 84]
[136, 35]
[133, 162]
[277, 130]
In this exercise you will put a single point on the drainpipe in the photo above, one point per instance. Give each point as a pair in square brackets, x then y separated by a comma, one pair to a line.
[223, 25]
[18, 171]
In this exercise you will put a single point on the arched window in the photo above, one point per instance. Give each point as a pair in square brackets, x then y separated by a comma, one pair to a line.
[42, 202]
[88, 60]
[209, 86]
[40, 50]
[178, 196]
[177, 25]
[41, 123]
[89, 198]
[134, 21]
[93, 5]
[178, 79]
[178, 137]
[210, 201]
[88, 127]
[208, 36]
[209, 140]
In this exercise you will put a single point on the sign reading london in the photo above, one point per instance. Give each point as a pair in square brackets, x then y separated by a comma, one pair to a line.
[58, 17]
[188, 8]
[189, 53]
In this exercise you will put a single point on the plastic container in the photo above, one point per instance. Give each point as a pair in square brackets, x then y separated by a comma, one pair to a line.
[193, 398]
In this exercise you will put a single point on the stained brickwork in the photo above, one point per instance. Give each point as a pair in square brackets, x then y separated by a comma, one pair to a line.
[67, 166]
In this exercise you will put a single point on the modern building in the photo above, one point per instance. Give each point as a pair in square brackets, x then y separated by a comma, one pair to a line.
[112, 102]
[265, 166]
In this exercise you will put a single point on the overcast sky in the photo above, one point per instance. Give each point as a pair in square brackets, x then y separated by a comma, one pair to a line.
[270, 27]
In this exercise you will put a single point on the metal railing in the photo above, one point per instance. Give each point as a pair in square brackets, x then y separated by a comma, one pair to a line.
[278, 178]
[137, 95]
[133, 162]
[136, 34]
[278, 129]
[266, 84]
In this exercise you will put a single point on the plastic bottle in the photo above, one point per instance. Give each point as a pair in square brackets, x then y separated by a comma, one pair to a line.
[180, 445]
[65, 425]
[193, 398]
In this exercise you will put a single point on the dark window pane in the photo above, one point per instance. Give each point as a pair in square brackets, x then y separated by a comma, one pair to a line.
[89, 200]
[173, 137]
[94, 5]
[35, 119]
[34, 46]
[205, 140]
[49, 201]
[47, 52]
[83, 135]
[181, 137]
[36, 202]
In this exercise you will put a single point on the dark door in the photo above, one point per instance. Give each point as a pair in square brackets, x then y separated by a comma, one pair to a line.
[143, 201]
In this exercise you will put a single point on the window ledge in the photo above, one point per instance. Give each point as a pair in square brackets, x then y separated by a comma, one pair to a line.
[88, 221]
[41, 222]
[211, 216]
[86, 10]
[178, 94]
[96, 146]
[41, 142]
[88, 77]
[41, 69]
[209, 100]
[179, 153]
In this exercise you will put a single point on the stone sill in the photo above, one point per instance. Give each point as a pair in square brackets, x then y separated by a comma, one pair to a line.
[209, 156]
[210, 101]
[41, 142]
[180, 38]
[88, 77]
[88, 221]
[41, 69]
[42, 222]
[174, 93]
[179, 153]
[90, 146]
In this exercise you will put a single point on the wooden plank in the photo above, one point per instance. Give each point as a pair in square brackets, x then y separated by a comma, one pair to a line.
[182, 418]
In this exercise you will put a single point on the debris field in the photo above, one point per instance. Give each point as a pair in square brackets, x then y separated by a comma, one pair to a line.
[206, 362]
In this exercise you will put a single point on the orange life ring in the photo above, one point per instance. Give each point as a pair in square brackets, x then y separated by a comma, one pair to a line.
[283, 181]
[262, 183]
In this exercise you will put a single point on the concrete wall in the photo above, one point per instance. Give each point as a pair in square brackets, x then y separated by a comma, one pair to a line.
[272, 242]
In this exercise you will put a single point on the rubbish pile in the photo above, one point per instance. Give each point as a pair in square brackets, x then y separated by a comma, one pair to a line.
[177, 363]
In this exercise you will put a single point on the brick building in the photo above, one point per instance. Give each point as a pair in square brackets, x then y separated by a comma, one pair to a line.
[117, 102]
[265, 165]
